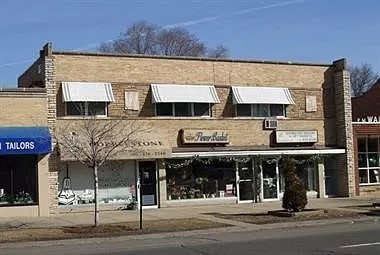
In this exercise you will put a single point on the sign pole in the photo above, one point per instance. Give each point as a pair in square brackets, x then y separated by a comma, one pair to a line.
[140, 195]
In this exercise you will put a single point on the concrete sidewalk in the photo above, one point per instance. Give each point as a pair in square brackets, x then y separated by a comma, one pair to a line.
[85, 217]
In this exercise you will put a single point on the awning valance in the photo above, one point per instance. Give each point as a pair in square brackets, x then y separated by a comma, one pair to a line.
[24, 140]
[175, 93]
[87, 92]
[261, 95]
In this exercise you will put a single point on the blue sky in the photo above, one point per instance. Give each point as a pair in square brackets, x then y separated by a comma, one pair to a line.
[288, 30]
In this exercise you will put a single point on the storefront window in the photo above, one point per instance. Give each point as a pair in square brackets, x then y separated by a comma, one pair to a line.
[200, 180]
[18, 180]
[307, 172]
[116, 183]
[368, 159]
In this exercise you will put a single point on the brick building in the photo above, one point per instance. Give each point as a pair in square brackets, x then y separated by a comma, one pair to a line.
[366, 129]
[25, 144]
[218, 127]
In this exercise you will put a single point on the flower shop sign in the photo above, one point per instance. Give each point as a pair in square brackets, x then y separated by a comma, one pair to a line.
[297, 136]
[192, 136]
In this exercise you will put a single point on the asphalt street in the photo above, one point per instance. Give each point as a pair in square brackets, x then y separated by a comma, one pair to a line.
[354, 238]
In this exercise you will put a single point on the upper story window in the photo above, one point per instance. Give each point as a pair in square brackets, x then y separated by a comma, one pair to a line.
[368, 159]
[86, 99]
[183, 100]
[86, 108]
[260, 110]
[261, 101]
[183, 109]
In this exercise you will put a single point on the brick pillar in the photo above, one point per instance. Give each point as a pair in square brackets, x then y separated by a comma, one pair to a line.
[344, 134]
[48, 72]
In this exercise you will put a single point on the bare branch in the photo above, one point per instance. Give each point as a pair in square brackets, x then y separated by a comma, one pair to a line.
[362, 78]
[219, 51]
[145, 38]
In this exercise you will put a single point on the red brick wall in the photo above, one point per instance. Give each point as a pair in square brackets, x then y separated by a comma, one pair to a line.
[367, 104]
[362, 130]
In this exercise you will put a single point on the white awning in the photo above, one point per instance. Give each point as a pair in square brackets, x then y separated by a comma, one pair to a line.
[87, 92]
[261, 95]
[175, 93]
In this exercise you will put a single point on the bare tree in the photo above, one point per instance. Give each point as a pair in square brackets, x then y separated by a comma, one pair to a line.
[219, 51]
[362, 78]
[145, 38]
[93, 141]
[179, 42]
[140, 38]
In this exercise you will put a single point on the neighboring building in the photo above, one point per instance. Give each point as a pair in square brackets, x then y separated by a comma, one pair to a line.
[366, 128]
[25, 144]
[219, 127]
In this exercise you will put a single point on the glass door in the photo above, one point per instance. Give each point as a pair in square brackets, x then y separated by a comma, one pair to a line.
[245, 182]
[270, 181]
[148, 180]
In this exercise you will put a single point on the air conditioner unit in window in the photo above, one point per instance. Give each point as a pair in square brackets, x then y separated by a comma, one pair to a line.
[270, 123]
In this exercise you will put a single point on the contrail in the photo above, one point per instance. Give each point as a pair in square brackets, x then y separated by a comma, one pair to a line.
[212, 18]
[209, 19]
[16, 63]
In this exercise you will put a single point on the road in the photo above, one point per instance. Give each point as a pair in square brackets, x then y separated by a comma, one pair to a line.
[355, 238]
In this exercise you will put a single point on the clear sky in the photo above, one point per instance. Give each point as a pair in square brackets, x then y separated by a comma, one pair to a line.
[288, 30]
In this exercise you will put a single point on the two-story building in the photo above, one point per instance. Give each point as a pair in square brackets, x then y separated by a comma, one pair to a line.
[366, 130]
[218, 127]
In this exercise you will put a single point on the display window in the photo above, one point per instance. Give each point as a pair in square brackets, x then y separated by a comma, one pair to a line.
[368, 160]
[18, 180]
[199, 180]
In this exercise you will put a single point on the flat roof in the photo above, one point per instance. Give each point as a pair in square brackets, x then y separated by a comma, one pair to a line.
[22, 91]
[104, 54]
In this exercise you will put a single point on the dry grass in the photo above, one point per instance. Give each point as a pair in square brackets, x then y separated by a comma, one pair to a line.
[264, 218]
[106, 230]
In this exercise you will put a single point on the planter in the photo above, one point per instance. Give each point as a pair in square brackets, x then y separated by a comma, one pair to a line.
[306, 212]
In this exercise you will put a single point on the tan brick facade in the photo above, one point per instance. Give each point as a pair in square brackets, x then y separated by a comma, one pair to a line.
[328, 83]
[27, 107]
[23, 108]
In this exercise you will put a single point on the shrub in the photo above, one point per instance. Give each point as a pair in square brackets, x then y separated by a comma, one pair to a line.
[295, 197]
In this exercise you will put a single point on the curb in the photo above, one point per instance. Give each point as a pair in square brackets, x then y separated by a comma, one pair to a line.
[232, 229]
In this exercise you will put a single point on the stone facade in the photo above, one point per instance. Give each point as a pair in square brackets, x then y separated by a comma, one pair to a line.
[344, 135]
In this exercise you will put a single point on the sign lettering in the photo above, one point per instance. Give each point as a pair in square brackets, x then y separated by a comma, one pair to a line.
[297, 136]
[19, 147]
[204, 136]
[373, 119]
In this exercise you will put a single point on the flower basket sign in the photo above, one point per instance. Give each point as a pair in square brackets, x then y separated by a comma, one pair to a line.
[204, 136]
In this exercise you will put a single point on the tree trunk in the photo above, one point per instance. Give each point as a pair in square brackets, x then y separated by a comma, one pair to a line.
[96, 191]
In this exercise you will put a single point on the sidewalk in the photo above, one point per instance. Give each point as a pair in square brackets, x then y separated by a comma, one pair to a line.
[86, 218]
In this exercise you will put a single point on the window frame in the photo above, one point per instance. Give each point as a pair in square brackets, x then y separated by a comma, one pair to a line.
[86, 112]
[268, 110]
[368, 168]
[191, 113]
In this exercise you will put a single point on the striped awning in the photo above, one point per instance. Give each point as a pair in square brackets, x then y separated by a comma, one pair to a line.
[261, 95]
[87, 92]
[176, 93]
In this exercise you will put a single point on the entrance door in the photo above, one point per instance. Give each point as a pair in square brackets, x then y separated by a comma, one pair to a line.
[329, 183]
[148, 180]
[245, 182]
[270, 181]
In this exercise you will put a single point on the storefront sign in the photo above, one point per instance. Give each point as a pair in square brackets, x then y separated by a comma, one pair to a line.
[24, 140]
[297, 136]
[136, 150]
[191, 136]
[373, 119]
